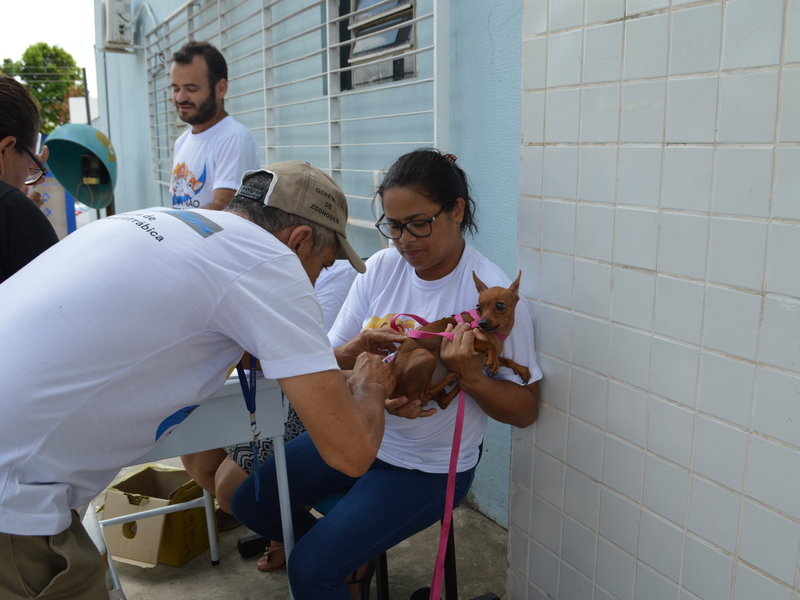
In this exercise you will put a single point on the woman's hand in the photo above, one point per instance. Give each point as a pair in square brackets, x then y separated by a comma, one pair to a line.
[374, 341]
[459, 355]
[402, 407]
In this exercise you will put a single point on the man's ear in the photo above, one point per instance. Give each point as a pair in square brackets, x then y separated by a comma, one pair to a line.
[221, 88]
[300, 239]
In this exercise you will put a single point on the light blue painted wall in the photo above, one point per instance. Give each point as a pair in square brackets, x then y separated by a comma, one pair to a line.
[486, 78]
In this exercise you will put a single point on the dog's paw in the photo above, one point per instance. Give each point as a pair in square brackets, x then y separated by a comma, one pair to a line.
[525, 374]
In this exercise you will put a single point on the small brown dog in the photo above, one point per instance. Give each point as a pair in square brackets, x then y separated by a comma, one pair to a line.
[419, 371]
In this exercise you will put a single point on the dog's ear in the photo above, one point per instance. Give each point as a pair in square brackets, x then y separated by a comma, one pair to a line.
[479, 284]
[515, 286]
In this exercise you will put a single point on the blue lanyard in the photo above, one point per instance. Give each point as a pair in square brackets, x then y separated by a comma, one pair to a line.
[249, 392]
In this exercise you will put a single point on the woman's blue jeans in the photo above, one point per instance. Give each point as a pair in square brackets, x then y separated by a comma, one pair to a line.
[384, 507]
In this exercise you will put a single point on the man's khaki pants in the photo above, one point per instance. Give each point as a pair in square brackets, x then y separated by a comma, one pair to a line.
[66, 566]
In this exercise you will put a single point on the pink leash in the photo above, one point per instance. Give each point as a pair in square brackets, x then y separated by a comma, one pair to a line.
[447, 520]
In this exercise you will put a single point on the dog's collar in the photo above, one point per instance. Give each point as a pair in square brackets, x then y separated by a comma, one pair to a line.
[397, 325]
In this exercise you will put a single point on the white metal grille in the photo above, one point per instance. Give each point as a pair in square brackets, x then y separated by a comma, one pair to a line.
[285, 84]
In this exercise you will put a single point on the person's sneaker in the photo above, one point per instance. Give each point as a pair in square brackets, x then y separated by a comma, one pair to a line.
[225, 521]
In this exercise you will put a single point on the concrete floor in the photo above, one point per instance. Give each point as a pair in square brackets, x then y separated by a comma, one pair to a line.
[480, 553]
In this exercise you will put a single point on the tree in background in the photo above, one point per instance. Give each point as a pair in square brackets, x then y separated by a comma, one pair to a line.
[51, 76]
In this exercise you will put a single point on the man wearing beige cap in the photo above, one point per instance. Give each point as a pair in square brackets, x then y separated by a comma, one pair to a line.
[112, 337]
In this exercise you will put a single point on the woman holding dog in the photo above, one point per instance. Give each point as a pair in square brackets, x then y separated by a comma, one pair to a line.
[427, 209]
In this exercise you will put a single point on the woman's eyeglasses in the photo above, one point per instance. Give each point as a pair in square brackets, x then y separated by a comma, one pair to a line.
[34, 173]
[419, 228]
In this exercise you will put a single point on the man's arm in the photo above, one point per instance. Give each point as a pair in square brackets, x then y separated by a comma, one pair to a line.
[344, 419]
[221, 197]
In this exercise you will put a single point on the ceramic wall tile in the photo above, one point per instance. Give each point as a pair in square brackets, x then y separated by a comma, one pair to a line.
[546, 524]
[529, 222]
[653, 586]
[674, 372]
[732, 321]
[595, 232]
[714, 514]
[587, 399]
[790, 111]
[670, 432]
[692, 110]
[679, 309]
[562, 118]
[660, 544]
[738, 252]
[637, 238]
[753, 33]
[752, 584]
[598, 174]
[720, 452]
[554, 386]
[598, 11]
[769, 542]
[535, 17]
[619, 520]
[687, 178]
[696, 39]
[600, 110]
[748, 107]
[603, 57]
[564, 59]
[726, 388]
[784, 248]
[573, 584]
[781, 329]
[646, 47]
[558, 226]
[622, 467]
[582, 498]
[593, 288]
[640, 172]
[578, 547]
[615, 570]
[666, 489]
[706, 571]
[585, 448]
[566, 14]
[531, 170]
[560, 172]
[793, 33]
[633, 298]
[627, 413]
[641, 6]
[534, 61]
[552, 438]
[590, 343]
[776, 410]
[548, 478]
[773, 476]
[743, 182]
[643, 111]
[629, 356]
[533, 117]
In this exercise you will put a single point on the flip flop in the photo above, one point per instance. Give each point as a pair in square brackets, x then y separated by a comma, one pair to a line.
[274, 559]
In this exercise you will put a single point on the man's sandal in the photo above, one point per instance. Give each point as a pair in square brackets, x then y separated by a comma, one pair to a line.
[274, 559]
[359, 586]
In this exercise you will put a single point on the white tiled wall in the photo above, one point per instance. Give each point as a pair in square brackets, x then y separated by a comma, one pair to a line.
[659, 239]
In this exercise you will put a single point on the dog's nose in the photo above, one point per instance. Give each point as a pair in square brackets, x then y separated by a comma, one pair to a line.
[486, 325]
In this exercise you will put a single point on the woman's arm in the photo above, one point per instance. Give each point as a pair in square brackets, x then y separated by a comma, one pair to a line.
[503, 400]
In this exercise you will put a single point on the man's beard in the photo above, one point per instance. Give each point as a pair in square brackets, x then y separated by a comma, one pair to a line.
[204, 113]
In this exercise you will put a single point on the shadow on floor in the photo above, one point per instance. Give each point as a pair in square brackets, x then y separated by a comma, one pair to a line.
[480, 551]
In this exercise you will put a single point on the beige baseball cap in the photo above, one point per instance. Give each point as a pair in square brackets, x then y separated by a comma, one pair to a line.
[301, 189]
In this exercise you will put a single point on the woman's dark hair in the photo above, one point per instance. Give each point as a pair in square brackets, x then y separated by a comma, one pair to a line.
[217, 67]
[19, 114]
[437, 177]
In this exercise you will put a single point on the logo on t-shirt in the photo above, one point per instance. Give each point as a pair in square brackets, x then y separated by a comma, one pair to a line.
[185, 186]
[202, 225]
[172, 421]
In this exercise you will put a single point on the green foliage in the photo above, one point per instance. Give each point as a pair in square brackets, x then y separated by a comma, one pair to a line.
[51, 76]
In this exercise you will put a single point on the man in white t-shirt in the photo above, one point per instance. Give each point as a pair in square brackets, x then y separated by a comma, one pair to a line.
[116, 334]
[211, 155]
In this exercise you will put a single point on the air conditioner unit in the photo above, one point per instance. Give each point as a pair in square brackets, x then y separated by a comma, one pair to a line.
[117, 21]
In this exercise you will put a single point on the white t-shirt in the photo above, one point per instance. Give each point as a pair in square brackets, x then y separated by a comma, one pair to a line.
[332, 286]
[391, 286]
[114, 335]
[215, 158]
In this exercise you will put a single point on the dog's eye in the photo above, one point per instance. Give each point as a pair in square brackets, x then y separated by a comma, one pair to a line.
[500, 306]
[479, 309]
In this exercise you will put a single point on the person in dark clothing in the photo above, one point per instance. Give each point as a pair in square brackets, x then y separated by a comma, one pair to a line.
[24, 230]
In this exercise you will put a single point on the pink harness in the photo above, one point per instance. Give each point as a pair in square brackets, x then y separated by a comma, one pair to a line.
[447, 520]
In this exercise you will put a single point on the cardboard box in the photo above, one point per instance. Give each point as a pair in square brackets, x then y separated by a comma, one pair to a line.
[171, 539]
